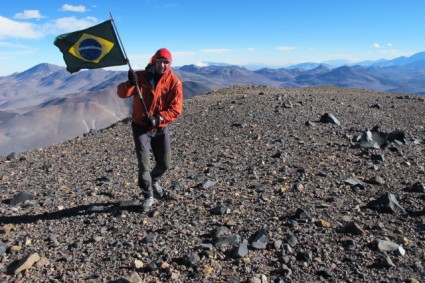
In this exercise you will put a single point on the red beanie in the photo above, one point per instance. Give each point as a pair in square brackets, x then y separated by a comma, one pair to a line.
[163, 53]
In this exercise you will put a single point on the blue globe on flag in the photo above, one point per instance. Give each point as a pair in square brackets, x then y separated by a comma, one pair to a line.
[90, 49]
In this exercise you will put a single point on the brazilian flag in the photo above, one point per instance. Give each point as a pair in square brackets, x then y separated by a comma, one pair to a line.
[91, 48]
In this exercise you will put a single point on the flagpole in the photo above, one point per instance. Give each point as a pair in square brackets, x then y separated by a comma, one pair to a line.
[128, 62]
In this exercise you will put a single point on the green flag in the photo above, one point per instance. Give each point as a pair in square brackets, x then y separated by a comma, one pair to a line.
[91, 48]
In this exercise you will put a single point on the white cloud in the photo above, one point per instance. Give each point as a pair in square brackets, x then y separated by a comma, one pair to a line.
[285, 48]
[69, 24]
[29, 14]
[183, 53]
[8, 55]
[13, 50]
[251, 49]
[72, 8]
[12, 45]
[388, 51]
[393, 52]
[201, 64]
[217, 50]
[15, 29]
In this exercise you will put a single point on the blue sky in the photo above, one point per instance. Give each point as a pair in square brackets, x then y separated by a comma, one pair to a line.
[242, 32]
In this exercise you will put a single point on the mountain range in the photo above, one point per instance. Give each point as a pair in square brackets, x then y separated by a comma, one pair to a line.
[45, 104]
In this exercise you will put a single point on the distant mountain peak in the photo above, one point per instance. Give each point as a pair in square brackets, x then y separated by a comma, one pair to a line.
[45, 67]
[40, 70]
[309, 66]
[190, 68]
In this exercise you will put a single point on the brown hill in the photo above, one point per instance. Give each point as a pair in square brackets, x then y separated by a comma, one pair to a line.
[259, 191]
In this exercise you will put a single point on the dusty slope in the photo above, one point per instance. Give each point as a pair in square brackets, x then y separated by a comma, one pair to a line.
[244, 159]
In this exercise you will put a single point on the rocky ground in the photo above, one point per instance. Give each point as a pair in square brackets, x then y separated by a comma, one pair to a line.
[267, 185]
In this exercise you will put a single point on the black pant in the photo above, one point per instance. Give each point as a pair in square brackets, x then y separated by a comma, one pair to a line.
[159, 142]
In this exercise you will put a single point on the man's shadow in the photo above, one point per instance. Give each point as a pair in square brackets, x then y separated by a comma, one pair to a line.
[113, 208]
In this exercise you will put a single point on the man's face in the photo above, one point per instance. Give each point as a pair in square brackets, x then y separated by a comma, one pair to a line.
[162, 65]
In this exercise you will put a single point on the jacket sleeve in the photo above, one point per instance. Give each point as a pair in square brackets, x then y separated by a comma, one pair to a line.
[125, 90]
[175, 104]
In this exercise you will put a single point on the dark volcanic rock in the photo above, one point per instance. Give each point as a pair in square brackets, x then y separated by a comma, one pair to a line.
[243, 161]
[329, 118]
[21, 197]
[386, 203]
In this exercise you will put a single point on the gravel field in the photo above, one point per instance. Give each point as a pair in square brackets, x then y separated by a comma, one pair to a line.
[319, 184]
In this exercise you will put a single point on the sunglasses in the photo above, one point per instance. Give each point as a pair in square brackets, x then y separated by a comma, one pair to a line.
[162, 60]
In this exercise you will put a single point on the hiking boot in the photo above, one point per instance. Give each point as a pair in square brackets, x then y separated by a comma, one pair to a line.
[147, 204]
[158, 190]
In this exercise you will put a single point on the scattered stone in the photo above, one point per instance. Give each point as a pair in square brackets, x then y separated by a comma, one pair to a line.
[373, 139]
[26, 263]
[206, 246]
[259, 240]
[6, 229]
[420, 227]
[376, 106]
[355, 183]
[191, 259]
[329, 118]
[277, 244]
[376, 180]
[2, 248]
[274, 173]
[220, 231]
[12, 156]
[43, 262]
[220, 210]
[133, 278]
[388, 246]
[233, 279]
[231, 223]
[207, 184]
[387, 203]
[207, 271]
[412, 280]
[310, 124]
[152, 266]
[323, 223]
[383, 262]
[239, 251]
[14, 248]
[353, 229]
[397, 136]
[377, 157]
[350, 245]
[324, 272]
[150, 238]
[138, 264]
[258, 278]
[305, 256]
[277, 155]
[292, 240]
[226, 240]
[301, 214]
[417, 187]
[21, 197]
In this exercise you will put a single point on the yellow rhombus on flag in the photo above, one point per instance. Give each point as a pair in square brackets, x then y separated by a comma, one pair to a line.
[92, 48]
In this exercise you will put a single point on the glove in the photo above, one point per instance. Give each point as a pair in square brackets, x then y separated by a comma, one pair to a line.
[132, 77]
[152, 121]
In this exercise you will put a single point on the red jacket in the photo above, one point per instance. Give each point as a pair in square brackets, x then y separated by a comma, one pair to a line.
[165, 100]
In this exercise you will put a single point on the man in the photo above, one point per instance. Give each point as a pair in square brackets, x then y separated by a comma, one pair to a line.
[162, 103]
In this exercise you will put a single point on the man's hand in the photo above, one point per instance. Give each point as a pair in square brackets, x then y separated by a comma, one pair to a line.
[151, 121]
[132, 77]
